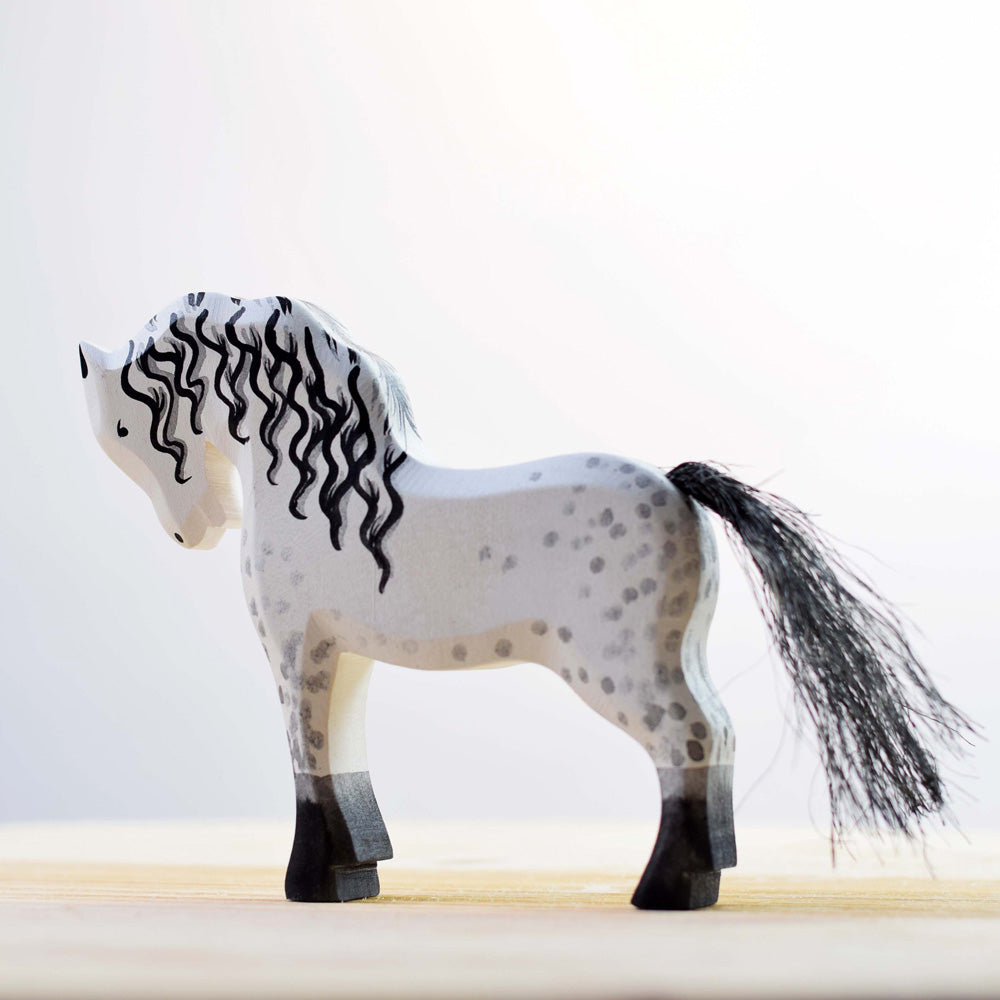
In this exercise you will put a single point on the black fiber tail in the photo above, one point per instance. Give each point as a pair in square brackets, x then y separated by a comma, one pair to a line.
[877, 713]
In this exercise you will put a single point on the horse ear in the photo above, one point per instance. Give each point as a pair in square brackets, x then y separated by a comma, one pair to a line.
[91, 359]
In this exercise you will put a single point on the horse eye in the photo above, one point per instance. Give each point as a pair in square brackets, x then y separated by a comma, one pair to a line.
[122, 431]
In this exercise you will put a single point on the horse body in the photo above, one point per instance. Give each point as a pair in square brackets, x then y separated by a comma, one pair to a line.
[596, 566]
[571, 570]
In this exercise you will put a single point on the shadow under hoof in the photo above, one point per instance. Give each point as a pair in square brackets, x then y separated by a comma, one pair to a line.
[684, 891]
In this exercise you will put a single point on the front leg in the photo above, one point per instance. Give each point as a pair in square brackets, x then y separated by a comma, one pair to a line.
[339, 832]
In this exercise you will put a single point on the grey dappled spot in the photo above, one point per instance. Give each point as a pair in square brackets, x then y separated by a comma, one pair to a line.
[550, 539]
[678, 604]
[596, 564]
[695, 750]
[676, 710]
[607, 685]
[317, 682]
[564, 633]
[539, 627]
[322, 650]
[503, 648]
[654, 713]
[698, 730]
[459, 652]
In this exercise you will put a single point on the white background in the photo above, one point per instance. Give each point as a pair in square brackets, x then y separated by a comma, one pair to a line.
[767, 234]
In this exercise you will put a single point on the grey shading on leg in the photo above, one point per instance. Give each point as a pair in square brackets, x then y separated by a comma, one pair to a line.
[339, 832]
[695, 840]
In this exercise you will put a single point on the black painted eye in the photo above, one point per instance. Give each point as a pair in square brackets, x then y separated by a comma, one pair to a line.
[83, 363]
[178, 537]
[122, 431]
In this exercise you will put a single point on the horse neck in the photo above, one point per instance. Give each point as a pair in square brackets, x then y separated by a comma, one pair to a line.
[272, 401]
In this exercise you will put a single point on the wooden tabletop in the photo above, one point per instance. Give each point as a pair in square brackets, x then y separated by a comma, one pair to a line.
[487, 910]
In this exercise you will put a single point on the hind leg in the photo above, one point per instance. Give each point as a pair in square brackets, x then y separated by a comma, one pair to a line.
[689, 741]
[694, 762]
[652, 683]
[339, 832]
[694, 756]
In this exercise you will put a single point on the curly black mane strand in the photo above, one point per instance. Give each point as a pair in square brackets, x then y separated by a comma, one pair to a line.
[878, 715]
[334, 416]
[379, 534]
[224, 378]
[167, 399]
[270, 401]
[330, 416]
[357, 463]
[369, 525]
[238, 376]
[308, 478]
[167, 368]
[333, 440]
[190, 380]
[157, 402]
[288, 358]
[273, 422]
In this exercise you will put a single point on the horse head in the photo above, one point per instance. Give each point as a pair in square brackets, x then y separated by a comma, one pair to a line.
[189, 481]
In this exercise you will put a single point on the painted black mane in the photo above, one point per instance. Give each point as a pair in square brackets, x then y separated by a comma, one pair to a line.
[333, 442]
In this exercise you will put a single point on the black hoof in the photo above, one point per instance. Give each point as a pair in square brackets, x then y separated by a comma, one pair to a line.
[335, 885]
[685, 891]
[339, 836]
[694, 843]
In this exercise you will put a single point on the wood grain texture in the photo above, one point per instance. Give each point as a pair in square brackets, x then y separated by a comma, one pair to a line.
[87, 926]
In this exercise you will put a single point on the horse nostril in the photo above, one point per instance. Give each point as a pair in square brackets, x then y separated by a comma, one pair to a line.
[178, 537]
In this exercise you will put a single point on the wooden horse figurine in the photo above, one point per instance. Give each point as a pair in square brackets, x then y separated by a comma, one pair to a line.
[601, 568]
